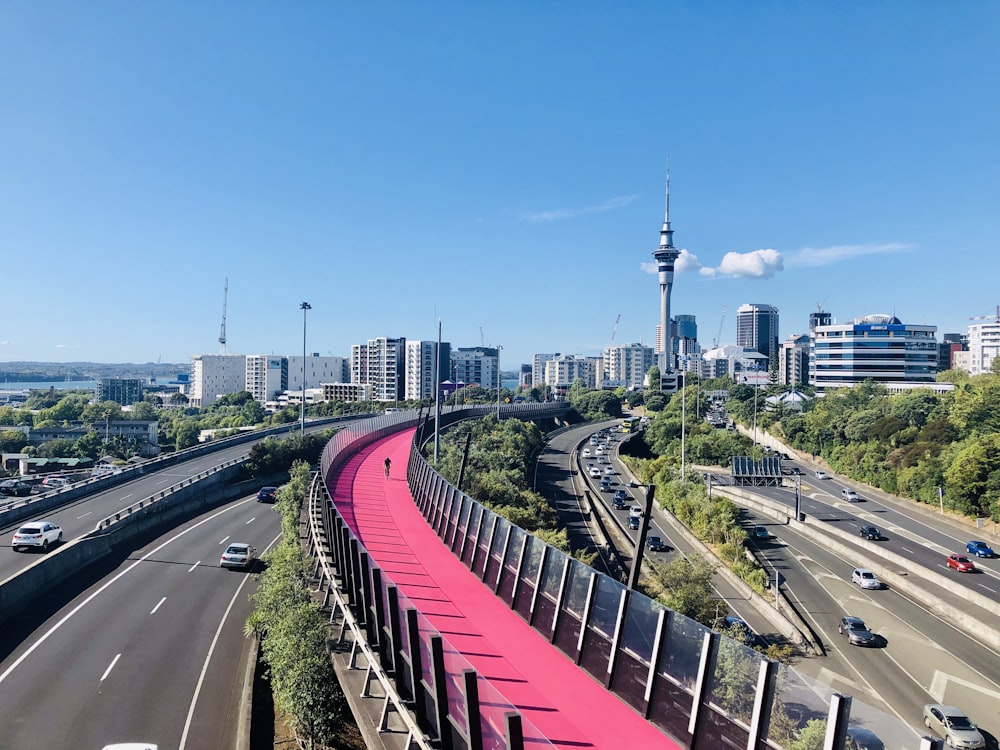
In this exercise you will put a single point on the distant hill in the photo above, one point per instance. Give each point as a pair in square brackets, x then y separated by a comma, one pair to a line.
[27, 372]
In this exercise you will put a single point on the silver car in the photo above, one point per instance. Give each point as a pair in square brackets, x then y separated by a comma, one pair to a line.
[953, 725]
[865, 578]
[856, 632]
[238, 555]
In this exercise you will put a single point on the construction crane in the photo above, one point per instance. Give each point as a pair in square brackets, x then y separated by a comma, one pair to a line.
[222, 331]
[715, 341]
[819, 305]
[995, 317]
[614, 328]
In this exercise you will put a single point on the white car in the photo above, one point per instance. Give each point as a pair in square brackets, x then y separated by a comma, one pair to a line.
[849, 495]
[238, 555]
[609, 470]
[822, 474]
[54, 483]
[865, 578]
[595, 472]
[36, 534]
[586, 451]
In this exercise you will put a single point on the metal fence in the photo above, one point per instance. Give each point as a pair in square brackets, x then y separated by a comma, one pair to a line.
[701, 689]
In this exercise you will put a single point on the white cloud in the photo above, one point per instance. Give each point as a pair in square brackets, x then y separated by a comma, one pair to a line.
[685, 262]
[811, 257]
[571, 213]
[756, 264]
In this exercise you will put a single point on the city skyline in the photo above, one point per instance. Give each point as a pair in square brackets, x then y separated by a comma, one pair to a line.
[395, 165]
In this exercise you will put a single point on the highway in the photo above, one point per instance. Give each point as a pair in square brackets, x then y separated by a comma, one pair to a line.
[152, 651]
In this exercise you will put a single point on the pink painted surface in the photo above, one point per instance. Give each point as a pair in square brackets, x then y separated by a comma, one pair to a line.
[564, 702]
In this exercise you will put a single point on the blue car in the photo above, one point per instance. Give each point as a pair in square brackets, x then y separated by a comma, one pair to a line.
[979, 549]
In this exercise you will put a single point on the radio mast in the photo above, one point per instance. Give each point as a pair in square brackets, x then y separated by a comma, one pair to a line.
[222, 331]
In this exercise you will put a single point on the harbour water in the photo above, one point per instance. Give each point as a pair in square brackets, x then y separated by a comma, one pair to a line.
[59, 385]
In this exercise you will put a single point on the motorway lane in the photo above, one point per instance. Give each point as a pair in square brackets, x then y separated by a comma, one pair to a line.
[913, 668]
[125, 659]
[82, 515]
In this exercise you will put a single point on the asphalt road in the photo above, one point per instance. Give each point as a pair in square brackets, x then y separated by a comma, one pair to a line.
[152, 651]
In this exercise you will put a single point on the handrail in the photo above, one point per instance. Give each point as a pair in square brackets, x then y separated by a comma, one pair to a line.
[360, 641]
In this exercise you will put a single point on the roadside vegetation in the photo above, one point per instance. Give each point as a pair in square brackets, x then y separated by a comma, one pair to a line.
[907, 444]
[293, 632]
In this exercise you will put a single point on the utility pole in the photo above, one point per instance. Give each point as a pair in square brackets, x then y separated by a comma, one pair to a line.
[304, 307]
[640, 545]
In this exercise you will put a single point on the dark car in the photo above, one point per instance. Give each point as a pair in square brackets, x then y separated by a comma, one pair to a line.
[796, 471]
[15, 487]
[633, 522]
[656, 544]
[979, 549]
[621, 495]
[618, 502]
[856, 632]
[267, 494]
[871, 532]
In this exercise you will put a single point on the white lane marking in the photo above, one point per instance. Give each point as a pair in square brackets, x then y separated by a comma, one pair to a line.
[194, 566]
[250, 521]
[164, 481]
[84, 515]
[110, 667]
[224, 540]
[987, 588]
[153, 611]
[908, 551]
[126, 497]
[51, 631]
[211, 649]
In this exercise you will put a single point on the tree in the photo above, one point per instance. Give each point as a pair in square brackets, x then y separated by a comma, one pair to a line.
[143, 411]
[687, 582]
[12, 441]
[178, 398]
[186, 435]
[90, 445]
[655, 402]
[57, 448]
[653, 378]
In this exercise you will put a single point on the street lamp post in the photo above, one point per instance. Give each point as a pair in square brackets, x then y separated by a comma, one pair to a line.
[683, 424]
[640, 545]
[304, 307]
[498, 381]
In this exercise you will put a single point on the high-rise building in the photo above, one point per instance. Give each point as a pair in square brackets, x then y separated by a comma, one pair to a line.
[214, 375]
[793, 360]
[318, 370]
[538, 367]
[626, 365]
[665, 255]
[563, 371]
[819, 318]
[422, 365]
[266, 376]
[757, 328]
[124, 391]
[984, 346]
[951, 344]
[876, 347]
[475, 364]
[380, 364]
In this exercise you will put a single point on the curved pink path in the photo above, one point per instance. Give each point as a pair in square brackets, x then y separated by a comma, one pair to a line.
[567, 705]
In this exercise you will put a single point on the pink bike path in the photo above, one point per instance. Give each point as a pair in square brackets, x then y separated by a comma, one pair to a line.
[569, 707]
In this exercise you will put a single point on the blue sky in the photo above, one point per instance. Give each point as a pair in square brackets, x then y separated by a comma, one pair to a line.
[497, 166]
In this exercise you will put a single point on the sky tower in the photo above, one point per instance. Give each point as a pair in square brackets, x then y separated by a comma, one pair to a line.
[665, 256]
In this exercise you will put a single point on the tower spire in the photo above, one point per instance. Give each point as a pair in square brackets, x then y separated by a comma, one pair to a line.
[666, 233]
[665, 255]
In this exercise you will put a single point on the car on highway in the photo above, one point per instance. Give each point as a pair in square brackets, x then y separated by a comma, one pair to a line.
[618, 503]
[36, 534]
[865, 578]
[267, 494]
[871, 533]
[849, 495]
[609, 470]
[656, 544]
[960, 563]
[595, 472]
[15, 487]
[820, 474]
[761, 533]
[605, 484]
[979, 549]
[952, 724]
[586, 451]
[622, 495]
[238, 555]
[856, 632]
[54, 483]
[633, 522]
[796, 471]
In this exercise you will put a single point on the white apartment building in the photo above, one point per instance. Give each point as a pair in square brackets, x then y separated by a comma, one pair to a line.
[563, 371]
[421, 357]
[266, 376]
[380, 364]
[984, 346]
[626, 365]
[475, 364]
[538, 366]
[793, 360]
[319, 370]
[215, 375]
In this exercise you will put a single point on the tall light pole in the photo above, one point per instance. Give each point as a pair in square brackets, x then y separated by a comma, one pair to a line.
[683, 421]
[304, 307]
[498, 381]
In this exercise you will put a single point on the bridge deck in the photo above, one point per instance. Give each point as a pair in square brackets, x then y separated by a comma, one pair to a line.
[563, 701]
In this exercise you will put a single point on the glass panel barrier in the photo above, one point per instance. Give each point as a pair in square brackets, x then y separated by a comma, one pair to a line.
[799, 700]
[636, 649]
[529, 575]
[872, 729]
[509, 578]
[601, 627]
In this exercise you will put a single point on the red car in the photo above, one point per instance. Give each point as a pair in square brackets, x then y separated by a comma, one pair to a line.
[961, 563]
